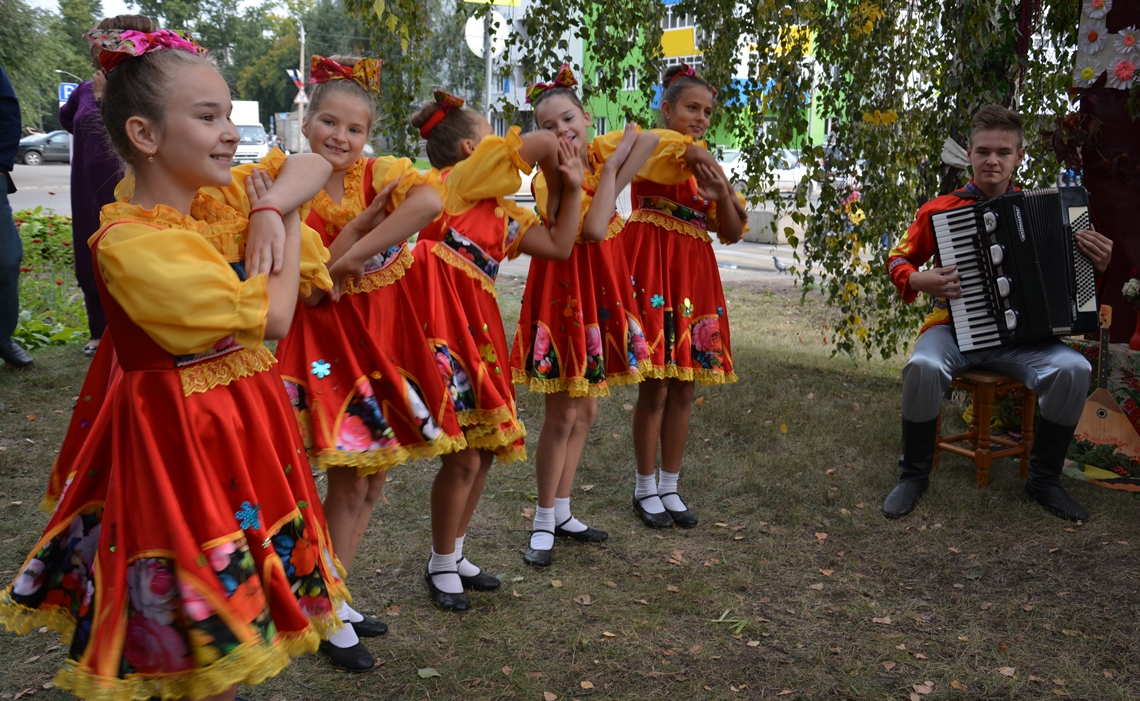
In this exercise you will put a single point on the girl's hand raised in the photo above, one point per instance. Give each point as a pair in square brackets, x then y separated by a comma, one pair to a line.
[628, 139]
[265, 241]
[711, 183]
[570, 166]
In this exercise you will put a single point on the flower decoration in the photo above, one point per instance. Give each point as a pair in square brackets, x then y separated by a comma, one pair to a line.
[1126, 40]
[657, 301]
[686, 308]
[1088, 69]
[1122, 73]
[1096, 8]
[1092, 36]
[1131, 291]
[720, 311]
[321, 369]
[247, 516]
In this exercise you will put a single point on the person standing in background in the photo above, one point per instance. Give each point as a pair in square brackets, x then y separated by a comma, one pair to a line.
[11, 249]
[95, 170]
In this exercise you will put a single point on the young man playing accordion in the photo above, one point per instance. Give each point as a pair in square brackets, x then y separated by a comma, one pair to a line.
[1059, 374]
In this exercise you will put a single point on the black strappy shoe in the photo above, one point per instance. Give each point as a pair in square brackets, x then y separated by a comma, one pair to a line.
[535, 557]
[590, 535]
[446, 600]
[661, 520]
[682, 519]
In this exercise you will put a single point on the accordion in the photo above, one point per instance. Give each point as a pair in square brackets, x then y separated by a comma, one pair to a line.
[1023, 277]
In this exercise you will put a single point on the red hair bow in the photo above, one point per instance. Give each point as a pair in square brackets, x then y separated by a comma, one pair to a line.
[444, 103]
[687, 71]
[365, 73]
[115, 45]
[564, 79]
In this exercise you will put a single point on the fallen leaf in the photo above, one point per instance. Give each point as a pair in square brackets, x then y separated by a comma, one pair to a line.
[753, 643]
[607, 634]
[16, 503]
[641, 601]
[963, 638]
[1107, 674]
[884, 621]
[587, 685]
[515, 593]
[617, 435]
[783, 428]
[506, 671]
[1003, 646]
[721, 524]
[1027, 607]
[1053, 550]
[986, 606]
[820, 537]
[694, 649]
[888, 665]
[534, 675]
[915, 697]
[627, 406]
[427, 672]
[900, 646]
[923, 688]
[1070, 633]
[547, 696]
[1035, 679]
[528, 512]
[611, 585]
[584, 599]
[954, 550]
[955, 684]
[827, 573]
[817, 587]
[673, 588]
[786, 692]
[1070, 530]
[1008, 672]
[556, 583]
[586, 487]
[699, 401]
[919, 656]
[1059, 682]
[830, 472]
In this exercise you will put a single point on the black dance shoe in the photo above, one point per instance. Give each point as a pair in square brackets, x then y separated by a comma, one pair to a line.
[590, 535]
[355, 659]
[370, 627]
[661, 520]
[479, 582]
[446, 600]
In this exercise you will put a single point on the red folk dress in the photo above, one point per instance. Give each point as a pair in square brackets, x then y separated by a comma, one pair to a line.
[190, 551]
[579, 328]
[667, 243]
[362, 379]
[457, 261]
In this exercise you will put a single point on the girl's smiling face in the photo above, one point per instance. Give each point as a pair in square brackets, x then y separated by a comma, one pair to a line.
[560, 114]
[339, 129]
[691, 112]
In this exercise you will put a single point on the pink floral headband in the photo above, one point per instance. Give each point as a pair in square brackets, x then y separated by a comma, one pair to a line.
[119, 44]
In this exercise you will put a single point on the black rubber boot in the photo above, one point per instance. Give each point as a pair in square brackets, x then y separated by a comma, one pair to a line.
[1050, 446]
[914, 467]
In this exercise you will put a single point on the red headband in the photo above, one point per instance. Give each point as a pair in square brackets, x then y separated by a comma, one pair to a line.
[118, 44]
[444, 103]
[688, 72]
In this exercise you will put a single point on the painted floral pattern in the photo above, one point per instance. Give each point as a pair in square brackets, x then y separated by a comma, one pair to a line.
[299, 556]
[638, 348]
[707, 348]
[595, 356]
[456, 378]
[470, 250]
[299, 398]
[543, 361]
[363, 426]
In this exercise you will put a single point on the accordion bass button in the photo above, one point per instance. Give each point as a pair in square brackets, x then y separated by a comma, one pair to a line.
[1003, 286]
[1010, 319]
[990, 220]
[997, 254]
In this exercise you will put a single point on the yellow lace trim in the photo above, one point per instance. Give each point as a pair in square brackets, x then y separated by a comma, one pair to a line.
[384, 276]
[22, 620]
[250, 663]
[205, 376]
[369, 462]
[669, 224]
[511, 455]
[705, 377]
[494, 438]
[449, 256]
[473, 417]
[338, 214]
[612, 230]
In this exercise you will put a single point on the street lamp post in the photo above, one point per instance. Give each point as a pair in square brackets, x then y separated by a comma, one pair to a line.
[70, 74]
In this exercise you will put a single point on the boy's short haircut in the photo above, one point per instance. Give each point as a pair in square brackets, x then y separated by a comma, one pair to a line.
[997, 118]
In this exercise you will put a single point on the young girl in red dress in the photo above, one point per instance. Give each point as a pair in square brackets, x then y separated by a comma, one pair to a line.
[189, 555]
[456, 262]
[364, 384]
[676, 203]
[579, 329]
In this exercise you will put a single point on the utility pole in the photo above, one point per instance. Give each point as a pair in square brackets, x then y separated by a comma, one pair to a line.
[301, 106]
[487, 60]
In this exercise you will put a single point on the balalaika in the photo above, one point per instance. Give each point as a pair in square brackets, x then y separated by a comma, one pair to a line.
[1023, 277]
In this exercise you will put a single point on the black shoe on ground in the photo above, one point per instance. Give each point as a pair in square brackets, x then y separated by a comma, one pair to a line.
[590, 535]
[370, 627]
[355, 659]
[479, 582]
[535, 557]
[1050, 446]
[14, 354]
[446, 600]
[681, 519]
[661, 520]
[915, 463]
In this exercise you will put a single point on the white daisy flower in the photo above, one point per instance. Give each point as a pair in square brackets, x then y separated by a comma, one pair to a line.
[1096, 8]
[1092, 36]
[1122, 73]
[1087, 70]
[1127, 41]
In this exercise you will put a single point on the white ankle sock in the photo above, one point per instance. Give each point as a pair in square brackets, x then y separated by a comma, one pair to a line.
[647, 487]
[667, 483]
[466, 567]
[562, 513]
[543, 519]
[348, 614]
[345, 637]
[449, 583]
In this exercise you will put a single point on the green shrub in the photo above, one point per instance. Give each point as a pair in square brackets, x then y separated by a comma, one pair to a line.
[51, 304]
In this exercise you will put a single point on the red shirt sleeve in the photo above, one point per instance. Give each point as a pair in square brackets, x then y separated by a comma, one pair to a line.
[916, 247]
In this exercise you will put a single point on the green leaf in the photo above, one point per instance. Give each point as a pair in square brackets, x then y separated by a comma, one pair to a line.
[427, 672]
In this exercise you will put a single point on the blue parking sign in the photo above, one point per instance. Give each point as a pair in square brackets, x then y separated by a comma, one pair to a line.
[65, 90]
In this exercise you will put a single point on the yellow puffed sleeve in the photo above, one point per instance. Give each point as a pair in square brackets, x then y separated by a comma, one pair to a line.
[541, 192]
[179, 289]
[714, 223]
[518, 221]
[314, 256]
[492, 170]
[667, 163]
[389, 169]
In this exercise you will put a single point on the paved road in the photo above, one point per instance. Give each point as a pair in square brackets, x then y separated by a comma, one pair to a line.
[48, 186]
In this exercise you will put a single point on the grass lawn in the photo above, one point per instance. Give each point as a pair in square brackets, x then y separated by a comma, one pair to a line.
[793, 586]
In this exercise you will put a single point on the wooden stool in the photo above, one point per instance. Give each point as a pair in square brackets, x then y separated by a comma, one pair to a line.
[984, 384]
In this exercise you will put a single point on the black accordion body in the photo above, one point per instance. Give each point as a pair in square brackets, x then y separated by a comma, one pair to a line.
[1023, 277]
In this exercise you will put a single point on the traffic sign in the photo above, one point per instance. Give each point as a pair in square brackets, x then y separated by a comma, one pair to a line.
[65, 90]
[302, 98]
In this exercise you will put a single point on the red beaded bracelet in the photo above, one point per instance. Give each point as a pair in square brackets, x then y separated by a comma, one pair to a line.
[265, 207]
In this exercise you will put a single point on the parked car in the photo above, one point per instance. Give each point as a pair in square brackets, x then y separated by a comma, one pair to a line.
[37, 148]
[785, 168]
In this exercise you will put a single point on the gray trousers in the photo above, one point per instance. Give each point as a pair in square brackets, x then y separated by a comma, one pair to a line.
[1059, 374]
